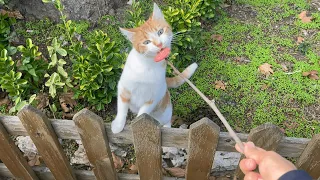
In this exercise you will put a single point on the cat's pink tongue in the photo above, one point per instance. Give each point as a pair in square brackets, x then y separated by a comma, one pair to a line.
[162, 54]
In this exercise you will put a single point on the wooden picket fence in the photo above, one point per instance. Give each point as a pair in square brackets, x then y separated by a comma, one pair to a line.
[201, 140]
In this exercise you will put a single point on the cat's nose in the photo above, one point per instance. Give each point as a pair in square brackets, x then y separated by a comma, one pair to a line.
[159, 45]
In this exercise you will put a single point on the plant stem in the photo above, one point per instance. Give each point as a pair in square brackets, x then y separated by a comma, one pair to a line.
[213, 106]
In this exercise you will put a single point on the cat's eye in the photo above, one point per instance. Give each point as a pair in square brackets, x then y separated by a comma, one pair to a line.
[146, 42]
[160, 32]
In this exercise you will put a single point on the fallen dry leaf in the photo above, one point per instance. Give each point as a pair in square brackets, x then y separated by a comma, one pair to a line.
[217, 37]
[264, 86]
[220, 85]
[266, 69]
[313, 74]
[133, 169]
[66, 102]
[33, 159]
[43, 100]
[14, 14]
[300, 40]
[304, 18]
[117, 161]
[176, 172]
[284, 67]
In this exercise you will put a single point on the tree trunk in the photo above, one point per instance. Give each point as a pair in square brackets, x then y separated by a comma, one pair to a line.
[74, 9]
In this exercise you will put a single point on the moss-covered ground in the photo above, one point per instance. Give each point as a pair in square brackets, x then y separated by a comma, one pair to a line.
[256, 32]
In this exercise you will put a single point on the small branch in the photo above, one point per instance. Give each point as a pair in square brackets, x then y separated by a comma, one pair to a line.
[213, 106]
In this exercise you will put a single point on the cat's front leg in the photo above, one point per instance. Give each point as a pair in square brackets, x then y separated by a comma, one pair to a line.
[119, 122]
[147, 107]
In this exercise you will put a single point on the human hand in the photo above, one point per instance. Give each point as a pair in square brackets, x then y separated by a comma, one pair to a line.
[271, 165]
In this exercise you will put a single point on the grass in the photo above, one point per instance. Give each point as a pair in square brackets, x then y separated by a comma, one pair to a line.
[250, 98]
[284, 98]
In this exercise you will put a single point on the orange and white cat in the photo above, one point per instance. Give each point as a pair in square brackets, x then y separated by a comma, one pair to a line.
[143, 86]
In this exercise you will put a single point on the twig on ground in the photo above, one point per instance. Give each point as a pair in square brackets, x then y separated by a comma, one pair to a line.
[213, 106]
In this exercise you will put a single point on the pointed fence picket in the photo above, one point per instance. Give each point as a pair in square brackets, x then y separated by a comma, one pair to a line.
[202, 140]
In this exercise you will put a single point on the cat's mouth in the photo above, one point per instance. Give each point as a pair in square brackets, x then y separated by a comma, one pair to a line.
[162, 54]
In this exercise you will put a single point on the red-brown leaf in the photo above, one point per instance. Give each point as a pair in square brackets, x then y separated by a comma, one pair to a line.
[266, 69]
[176, 172]
[217, 37]
[304, 18]
[220, 85]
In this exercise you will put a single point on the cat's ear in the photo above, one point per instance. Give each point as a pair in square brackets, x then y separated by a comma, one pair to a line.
[127, 33]
[157, 14]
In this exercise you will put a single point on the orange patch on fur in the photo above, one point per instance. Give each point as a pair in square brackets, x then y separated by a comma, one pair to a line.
[162, 105]
[125, 95]
[149, 102]
[185, 73]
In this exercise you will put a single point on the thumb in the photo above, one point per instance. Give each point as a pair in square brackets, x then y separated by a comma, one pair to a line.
[253, 152]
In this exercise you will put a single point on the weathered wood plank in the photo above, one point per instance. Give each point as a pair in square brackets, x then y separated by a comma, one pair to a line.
[203, 140]
[43, 136]
[12, 157]
[266, 136]
[146, 133]
[171, 137]
[43, 174]
[310, 158]
[94, 138]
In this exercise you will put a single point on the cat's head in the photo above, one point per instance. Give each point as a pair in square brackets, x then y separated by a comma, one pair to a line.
[152, 36]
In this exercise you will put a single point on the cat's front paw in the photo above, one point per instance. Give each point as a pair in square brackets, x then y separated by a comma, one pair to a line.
[117, 125]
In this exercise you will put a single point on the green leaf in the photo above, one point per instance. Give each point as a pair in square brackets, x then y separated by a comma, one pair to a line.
[29, 43]
[47, 1]
[20, 105]
[17, 100]
[62, 72]
[11, 50]
[109, 69]
[12, 110]
[32, 98]
[61, 51]
[18, 75]
[32, 72]
[54, 43]
[62, 62]
[52, 91]
[22, 81]
[50, 50]
[53, 108]
[54, 59]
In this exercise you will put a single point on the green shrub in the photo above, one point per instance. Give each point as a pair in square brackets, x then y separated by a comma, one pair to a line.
[96, 65]
[32, 65]
[5, 30]
[185, 18]
[12, 82]
[59, 78]
[97, 69]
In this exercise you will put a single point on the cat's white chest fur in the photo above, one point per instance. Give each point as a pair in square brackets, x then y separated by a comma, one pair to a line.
[144, 78]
